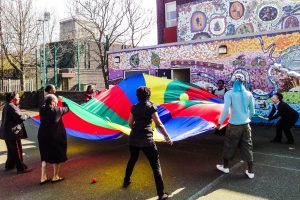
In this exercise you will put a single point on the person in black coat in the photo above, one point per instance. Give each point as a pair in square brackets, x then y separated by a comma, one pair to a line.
[12, 131]
[50, 89]
[52, 137]
[288, 118]
[141, 138]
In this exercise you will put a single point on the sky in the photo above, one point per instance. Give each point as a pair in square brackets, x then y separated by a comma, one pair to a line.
[59, 7]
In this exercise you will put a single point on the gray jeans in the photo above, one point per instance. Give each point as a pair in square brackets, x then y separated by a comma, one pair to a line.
[238, 136]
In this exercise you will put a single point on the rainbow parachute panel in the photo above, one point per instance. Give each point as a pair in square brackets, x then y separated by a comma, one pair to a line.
[106, 117]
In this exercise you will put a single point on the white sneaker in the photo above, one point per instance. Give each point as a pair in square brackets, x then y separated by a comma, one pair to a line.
[250, 175]
[222, 169]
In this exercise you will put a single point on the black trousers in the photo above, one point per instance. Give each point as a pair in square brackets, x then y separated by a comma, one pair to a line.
[153, 158]
[285, 126]
[14, 155]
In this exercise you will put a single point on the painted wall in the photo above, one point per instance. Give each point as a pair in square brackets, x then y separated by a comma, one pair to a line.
[215, 18]
[269, 63]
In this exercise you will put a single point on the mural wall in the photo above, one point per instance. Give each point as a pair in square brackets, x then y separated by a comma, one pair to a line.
[214, 18]
[269, 63]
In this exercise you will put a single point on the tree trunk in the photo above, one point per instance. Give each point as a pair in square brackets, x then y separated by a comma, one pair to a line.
[22, 81]
[105, 75]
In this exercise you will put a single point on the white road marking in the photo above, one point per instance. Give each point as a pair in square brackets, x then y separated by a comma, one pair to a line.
[171, 195]
[176, 192]
[26, 144]
[277, 167]
[212, 184]
[208, 187]
[277, 155]
[2, 159]
[24, 141]
[28, 147]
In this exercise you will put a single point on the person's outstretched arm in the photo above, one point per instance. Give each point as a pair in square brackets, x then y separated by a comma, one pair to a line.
[161, 127]
[130, 121]
[271, 115]
[17, 114]
[227, 103]
[62, 110]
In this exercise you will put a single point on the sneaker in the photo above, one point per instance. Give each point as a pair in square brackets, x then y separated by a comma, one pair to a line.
[250, 175]
[222, 169]
[164, 196]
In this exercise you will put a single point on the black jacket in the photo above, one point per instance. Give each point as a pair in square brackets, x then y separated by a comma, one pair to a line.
[52, 134]
[52, 126]
[12, 126]
[285, 111]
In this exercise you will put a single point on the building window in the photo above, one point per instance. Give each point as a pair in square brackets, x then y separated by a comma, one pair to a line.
[117, 59]
[223, 49]
[171, 14]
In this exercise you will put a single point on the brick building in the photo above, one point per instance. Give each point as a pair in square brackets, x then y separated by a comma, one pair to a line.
[74, 38]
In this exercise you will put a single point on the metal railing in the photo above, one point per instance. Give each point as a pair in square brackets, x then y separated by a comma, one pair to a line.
[11, 85]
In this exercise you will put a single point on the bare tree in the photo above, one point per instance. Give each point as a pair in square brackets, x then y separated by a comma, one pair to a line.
[52, 27]
[65, 50]
[139, 20]
[18, 33]
[107, 22]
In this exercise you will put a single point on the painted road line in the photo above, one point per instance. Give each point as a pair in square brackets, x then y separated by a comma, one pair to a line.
[176, 192]
[2, 159]
[24, 141]
[2, 146]
[277, 155]
[171, 195]
[208, 187]
[28, 146]
[212, 184]
[277, 167]
[3, 154]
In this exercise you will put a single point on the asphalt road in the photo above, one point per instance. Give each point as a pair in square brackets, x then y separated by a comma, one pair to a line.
[188, 170]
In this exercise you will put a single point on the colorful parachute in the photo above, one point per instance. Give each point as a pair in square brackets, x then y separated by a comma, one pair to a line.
[106, 117]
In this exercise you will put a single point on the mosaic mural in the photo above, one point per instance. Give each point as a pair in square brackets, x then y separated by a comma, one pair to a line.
[226, 17]
[269, 63]
[198, 21]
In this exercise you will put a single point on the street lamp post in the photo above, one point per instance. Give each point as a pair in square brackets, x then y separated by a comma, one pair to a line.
[2, 69]
[2, 52]
[46, 18]
[78, 65]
